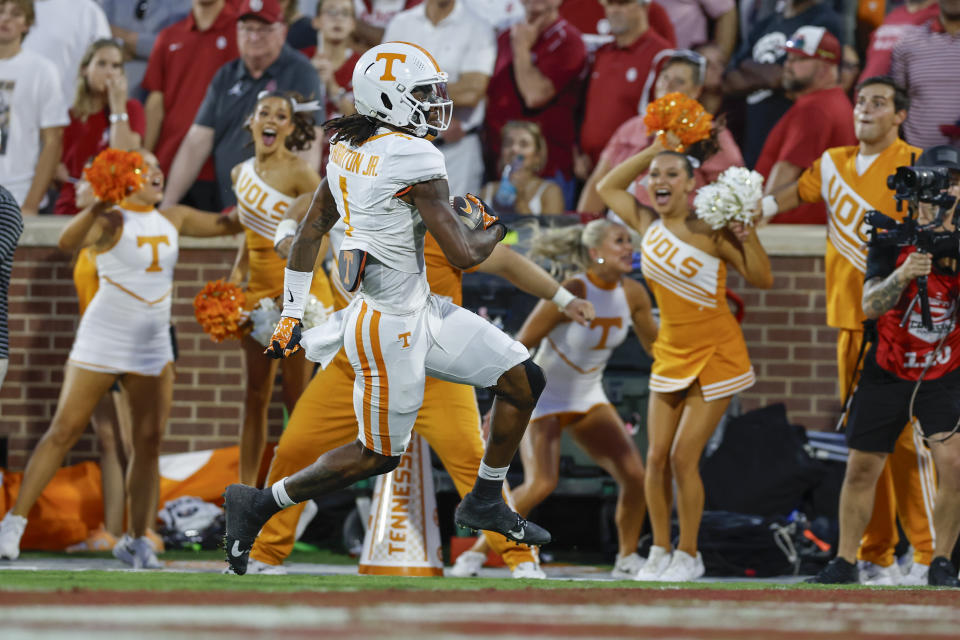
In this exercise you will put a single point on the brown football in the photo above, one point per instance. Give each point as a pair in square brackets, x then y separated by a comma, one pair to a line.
[469, 213]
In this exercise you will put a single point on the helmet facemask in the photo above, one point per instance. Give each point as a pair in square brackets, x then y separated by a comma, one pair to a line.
[431, 110]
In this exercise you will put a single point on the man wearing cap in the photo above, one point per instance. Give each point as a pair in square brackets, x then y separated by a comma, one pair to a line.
[850, 181]
[911, 373]
[266, 63]
[821, 116]
[756, 69]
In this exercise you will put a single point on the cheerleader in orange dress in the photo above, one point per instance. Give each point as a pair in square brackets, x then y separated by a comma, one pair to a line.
[266, 185]
[700, 357]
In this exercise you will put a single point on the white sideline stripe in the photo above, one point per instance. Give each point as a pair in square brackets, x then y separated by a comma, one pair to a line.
[823, 617]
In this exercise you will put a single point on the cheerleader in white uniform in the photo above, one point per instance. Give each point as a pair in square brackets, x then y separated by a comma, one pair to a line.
[573, 358]
[124, 332]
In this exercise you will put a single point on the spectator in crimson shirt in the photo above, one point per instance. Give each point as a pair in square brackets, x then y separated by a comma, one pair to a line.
[888, 34]
[618, 78]
[186, 56]
[590, 19]
[820, 118]
[683, 71]
[101, 117]
[756, 69]
[538, 76]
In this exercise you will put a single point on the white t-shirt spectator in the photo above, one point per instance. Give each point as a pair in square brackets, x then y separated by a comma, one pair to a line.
[463, 42]
[62, 32]
[30, 100]
[502, 14]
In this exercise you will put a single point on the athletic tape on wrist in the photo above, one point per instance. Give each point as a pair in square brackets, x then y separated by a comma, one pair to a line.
[492, 473]
[280, 495]
[285, 229]
[562, 297]
[296, 286]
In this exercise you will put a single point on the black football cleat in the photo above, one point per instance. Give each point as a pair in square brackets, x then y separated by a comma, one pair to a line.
[243, 523]
[496, 516]
[837, 571]
[942, 573]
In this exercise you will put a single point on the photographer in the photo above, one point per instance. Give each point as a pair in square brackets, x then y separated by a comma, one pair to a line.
[853, 180]
[912, 369]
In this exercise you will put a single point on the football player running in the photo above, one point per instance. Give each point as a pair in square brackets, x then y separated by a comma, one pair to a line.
[388, 185]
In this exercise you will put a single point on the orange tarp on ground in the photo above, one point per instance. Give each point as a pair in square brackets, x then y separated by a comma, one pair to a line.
[72, 504]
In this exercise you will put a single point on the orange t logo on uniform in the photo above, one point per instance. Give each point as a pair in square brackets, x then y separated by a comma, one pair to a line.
[154, 242]
[405, 337]
[390, 58]
[606, 324]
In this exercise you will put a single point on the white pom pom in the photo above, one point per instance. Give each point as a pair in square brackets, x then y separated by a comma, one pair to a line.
[314, 313]
[733, 197]
[264, 317]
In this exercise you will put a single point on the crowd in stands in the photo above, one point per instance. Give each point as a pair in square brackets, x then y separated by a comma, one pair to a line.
[549, 100]
[582, 70]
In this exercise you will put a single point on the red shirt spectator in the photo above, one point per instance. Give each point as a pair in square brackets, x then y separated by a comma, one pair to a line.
[616, 88]
[590, 19]
[796, 140]
[84, 139]
[888, 34]
[181, 65]
[558, 53]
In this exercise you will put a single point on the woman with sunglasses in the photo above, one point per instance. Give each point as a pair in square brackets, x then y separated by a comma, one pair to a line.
[266, 185]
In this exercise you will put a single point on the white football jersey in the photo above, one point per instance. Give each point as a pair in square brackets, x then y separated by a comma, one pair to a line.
[365, 182]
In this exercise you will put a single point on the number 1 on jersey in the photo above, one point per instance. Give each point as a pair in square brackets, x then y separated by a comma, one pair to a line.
[346, 207]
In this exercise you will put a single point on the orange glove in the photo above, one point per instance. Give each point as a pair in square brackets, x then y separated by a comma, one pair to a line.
[286, 338]
[488, 215]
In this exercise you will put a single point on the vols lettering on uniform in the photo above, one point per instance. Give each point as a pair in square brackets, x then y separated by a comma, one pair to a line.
[687, 271]
[846, 226]
[261, 207]
[154, 242]
[354, 161]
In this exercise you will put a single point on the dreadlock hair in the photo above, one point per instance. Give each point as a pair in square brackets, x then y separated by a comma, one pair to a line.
[354, 129]
[570, 246]
[303, 133]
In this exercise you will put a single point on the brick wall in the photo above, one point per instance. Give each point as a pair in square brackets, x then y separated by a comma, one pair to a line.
[792, 350]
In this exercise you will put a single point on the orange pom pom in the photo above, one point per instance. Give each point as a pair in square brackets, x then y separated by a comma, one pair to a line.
[219, 310]
[683, 116]
[115, 174]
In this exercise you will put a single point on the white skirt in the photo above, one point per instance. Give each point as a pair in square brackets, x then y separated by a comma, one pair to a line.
[120, 334]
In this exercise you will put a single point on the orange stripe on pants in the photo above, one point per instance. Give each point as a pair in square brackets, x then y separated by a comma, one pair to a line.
[367, 385]
[324, 420]
[383, 395]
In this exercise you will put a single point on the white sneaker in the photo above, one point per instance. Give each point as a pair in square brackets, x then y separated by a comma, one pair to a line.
[627, 567]
[136, 552]
[916, 576]
[877, 576]
[529, 570]
[683, 568]
[468, 564]
[656, 563]
[11, 530]
[259, 568]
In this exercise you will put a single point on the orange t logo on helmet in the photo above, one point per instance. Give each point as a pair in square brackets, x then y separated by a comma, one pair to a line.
[390, 58]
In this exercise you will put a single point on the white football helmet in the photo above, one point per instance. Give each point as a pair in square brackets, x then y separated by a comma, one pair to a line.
[384, 82]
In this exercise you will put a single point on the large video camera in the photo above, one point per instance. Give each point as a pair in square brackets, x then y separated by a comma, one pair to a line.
[914, 185]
